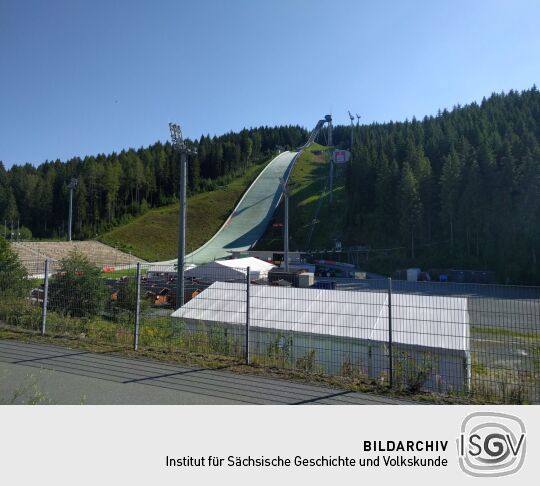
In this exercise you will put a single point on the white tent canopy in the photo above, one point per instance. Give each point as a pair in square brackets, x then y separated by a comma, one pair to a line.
[168, 268]
[231, 269]
[428, 321]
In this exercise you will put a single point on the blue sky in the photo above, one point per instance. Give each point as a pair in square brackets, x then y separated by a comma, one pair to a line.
[84, 77]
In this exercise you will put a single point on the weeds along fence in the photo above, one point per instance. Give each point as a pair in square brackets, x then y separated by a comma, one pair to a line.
[472, 341]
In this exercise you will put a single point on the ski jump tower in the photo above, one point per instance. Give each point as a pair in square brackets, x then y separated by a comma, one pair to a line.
[328, 120]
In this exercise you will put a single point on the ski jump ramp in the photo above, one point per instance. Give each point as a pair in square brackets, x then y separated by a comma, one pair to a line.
[247, 223]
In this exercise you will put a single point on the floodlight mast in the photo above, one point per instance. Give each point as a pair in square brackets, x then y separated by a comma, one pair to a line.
[179, 145]
[72, 185]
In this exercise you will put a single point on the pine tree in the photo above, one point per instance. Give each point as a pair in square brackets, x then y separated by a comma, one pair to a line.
[450, 191]
[410, 206]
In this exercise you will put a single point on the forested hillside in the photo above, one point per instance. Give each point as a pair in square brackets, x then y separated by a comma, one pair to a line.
[461, 188]
[113, 188]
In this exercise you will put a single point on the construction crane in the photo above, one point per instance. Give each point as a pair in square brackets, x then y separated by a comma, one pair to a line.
[179, 145]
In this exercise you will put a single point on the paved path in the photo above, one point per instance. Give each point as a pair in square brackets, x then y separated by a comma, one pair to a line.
[52, 374]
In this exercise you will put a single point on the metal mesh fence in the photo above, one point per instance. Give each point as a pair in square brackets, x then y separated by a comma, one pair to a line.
[467, 340]
[21, 299]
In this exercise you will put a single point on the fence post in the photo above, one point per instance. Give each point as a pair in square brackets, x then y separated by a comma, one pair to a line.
[137, 309]
[248, 279]
[390, 355]
[45, 299]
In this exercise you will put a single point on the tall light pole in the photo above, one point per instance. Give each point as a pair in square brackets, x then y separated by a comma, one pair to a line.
[285, 189]
[72, 185]
[180, 146]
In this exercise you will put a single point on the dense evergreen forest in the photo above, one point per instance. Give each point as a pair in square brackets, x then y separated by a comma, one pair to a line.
[112, 188]
[458, 189]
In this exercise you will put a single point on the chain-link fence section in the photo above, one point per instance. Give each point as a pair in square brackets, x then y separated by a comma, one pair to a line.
[467, 340]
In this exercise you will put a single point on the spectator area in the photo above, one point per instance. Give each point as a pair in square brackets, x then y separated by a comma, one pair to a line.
[33, 253]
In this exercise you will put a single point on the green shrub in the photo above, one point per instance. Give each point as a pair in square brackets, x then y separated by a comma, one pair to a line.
[19, 312]
[13, 276]
[411, 373]
[307, 362]
[77, 289]
[279, 350]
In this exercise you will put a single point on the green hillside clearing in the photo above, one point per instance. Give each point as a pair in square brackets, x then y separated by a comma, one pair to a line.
[154, 235]
[307, 183]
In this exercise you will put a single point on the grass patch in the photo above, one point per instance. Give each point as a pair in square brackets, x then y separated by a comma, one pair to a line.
[307, 184]
[499, 331]
[127, 272]
[29, 392]
[154, 235]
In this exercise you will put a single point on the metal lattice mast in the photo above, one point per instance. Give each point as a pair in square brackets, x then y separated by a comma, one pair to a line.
[179, 145]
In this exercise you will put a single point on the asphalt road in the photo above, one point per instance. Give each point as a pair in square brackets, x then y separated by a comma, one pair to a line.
[469, 290]
[37, 373]
[508, 307]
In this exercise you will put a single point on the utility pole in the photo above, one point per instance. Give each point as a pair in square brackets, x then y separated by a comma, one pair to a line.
[286, 223]
[72, 185]
[179, 145]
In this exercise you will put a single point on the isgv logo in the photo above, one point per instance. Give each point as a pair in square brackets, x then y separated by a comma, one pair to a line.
[491, 444]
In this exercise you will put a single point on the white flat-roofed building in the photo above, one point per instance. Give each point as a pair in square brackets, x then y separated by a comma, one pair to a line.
[344, 329]
[235, 269]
